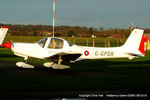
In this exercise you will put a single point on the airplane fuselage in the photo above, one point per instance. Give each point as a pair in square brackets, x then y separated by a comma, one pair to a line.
[36, 51]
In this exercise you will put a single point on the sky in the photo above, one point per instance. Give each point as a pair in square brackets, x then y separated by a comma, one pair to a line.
[90, 13]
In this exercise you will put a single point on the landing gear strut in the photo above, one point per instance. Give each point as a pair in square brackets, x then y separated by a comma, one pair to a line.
[59, 60]
[25, 59]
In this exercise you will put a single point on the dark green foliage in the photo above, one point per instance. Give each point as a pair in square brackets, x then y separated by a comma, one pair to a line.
[77, 31]
[35, 34]
[70, 33]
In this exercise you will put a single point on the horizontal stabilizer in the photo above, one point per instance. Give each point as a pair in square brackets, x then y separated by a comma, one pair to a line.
[136, 55]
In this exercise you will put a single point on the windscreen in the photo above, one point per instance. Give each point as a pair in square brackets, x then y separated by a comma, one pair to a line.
[42, 42]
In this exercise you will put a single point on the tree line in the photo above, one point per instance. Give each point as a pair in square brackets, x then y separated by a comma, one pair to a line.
[65, 31]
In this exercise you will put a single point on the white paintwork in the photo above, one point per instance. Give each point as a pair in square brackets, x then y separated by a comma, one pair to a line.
[55, 66]
[3, 32]
[24, 65]
[131, 46]
[58, 66]
[48, 64]
[129, 50]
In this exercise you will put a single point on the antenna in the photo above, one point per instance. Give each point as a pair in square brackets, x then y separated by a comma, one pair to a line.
[132, 26]
[53, 17]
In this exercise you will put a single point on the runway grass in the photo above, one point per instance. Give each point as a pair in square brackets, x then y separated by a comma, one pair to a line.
[88, 75]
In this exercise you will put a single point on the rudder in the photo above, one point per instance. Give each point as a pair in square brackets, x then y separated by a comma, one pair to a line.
[135, 43]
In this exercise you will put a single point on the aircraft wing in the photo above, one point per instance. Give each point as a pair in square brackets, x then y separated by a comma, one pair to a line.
[65, 56]
[3, 32]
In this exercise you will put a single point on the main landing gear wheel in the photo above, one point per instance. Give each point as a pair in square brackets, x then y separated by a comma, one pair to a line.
[55, 66]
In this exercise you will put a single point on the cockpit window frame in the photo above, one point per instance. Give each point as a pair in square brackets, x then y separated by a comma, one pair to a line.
[56, 47]
[42, 40]
[70, 43]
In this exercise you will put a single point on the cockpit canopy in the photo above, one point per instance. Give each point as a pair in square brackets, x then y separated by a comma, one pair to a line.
[54, 43]
[42, 42]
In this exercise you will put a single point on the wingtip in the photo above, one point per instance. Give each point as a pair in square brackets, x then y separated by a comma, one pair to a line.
[4, 27]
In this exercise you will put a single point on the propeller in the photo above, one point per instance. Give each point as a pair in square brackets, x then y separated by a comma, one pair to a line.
[7, 45]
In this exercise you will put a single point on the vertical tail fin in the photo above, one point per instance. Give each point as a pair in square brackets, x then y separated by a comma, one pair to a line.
[3, 32]
[135, 43]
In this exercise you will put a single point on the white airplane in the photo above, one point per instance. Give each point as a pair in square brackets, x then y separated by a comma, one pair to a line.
[3, 32]
[57, 50]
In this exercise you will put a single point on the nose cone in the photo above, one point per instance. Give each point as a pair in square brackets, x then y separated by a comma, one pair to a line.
[7, 45]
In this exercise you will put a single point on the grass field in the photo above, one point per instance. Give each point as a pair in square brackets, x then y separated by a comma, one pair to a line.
[88, 75]
[84, 75]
